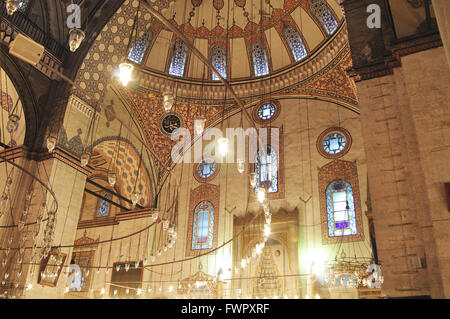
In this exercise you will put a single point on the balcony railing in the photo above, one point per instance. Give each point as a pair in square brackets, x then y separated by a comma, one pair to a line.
[29, 28]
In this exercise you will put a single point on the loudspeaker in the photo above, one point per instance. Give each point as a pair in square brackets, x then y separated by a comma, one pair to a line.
[26, 49]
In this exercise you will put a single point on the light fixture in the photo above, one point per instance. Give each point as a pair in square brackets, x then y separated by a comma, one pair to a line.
[223, 146]
[261, 195]
[13, 122]
[76, 36]
[168, 100]
[266, 230]
[112, 178]
[268, 219]
[125, 71]
[102, 291]
[243, 263]
[135, 198]
[85, 159]
[241, 165]
[253, 179]
[51, 143]
[12, 6]
[199, 125]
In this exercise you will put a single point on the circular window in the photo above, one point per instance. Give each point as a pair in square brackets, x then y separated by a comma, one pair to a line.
[266, 110]
[170, 122]
[334, 142]
[206, 170]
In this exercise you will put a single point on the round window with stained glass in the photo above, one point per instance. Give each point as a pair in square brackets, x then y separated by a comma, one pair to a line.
[206, 169]
[334, 142]
[266, 111]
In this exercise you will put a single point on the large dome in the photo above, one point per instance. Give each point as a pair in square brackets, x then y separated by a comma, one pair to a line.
[281, 26]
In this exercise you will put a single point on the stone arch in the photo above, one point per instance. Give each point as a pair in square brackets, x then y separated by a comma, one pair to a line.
[28, 99]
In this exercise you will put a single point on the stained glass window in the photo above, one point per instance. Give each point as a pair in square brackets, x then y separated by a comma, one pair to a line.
[137, 52]
[104, 206]
[259, 56]
[178, 59]
[266, 169]
[219, 62]
[206, 168]
[295, 42]
[266, 111]
[203, 226]
[340, 209]
[320, 9]
[23, 5]
[334, 143]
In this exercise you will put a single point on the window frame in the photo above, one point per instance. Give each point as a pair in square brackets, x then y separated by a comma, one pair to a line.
[172, 57]
[302, 41]
[209, 227]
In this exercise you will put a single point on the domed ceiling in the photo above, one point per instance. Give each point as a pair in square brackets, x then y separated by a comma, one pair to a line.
[236, 25]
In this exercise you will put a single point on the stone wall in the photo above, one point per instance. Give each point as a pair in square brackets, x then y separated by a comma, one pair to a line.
[405, 125]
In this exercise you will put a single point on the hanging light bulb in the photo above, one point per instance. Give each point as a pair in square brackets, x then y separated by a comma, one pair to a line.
[199, 125]
[261, 194]
[266, 230]
[139, 292]
[135, 198]
[13, 123]
[152, 258]
[243, 263]
[223, 146]
[258, 249]
[127, 291]
[241, 165]
[51, 143]
[253, 179]
[85, 157]
[125, 72]
[12, 6]
[168, 100]
[112, 178]
[155, 216]
[127, 267]
[76, 36]
[29, 286]
[117, 268]
[268, 219]
[170, 288]
[102, 291]
[66, 290]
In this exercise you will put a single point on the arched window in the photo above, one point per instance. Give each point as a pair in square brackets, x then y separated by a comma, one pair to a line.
[137, 52]
[320, 9]
[259, 56]
[340, 209]
[203, 226]
[104, 206]
[295, 42]
[266, 170]
[219, 62]
[178, 59]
